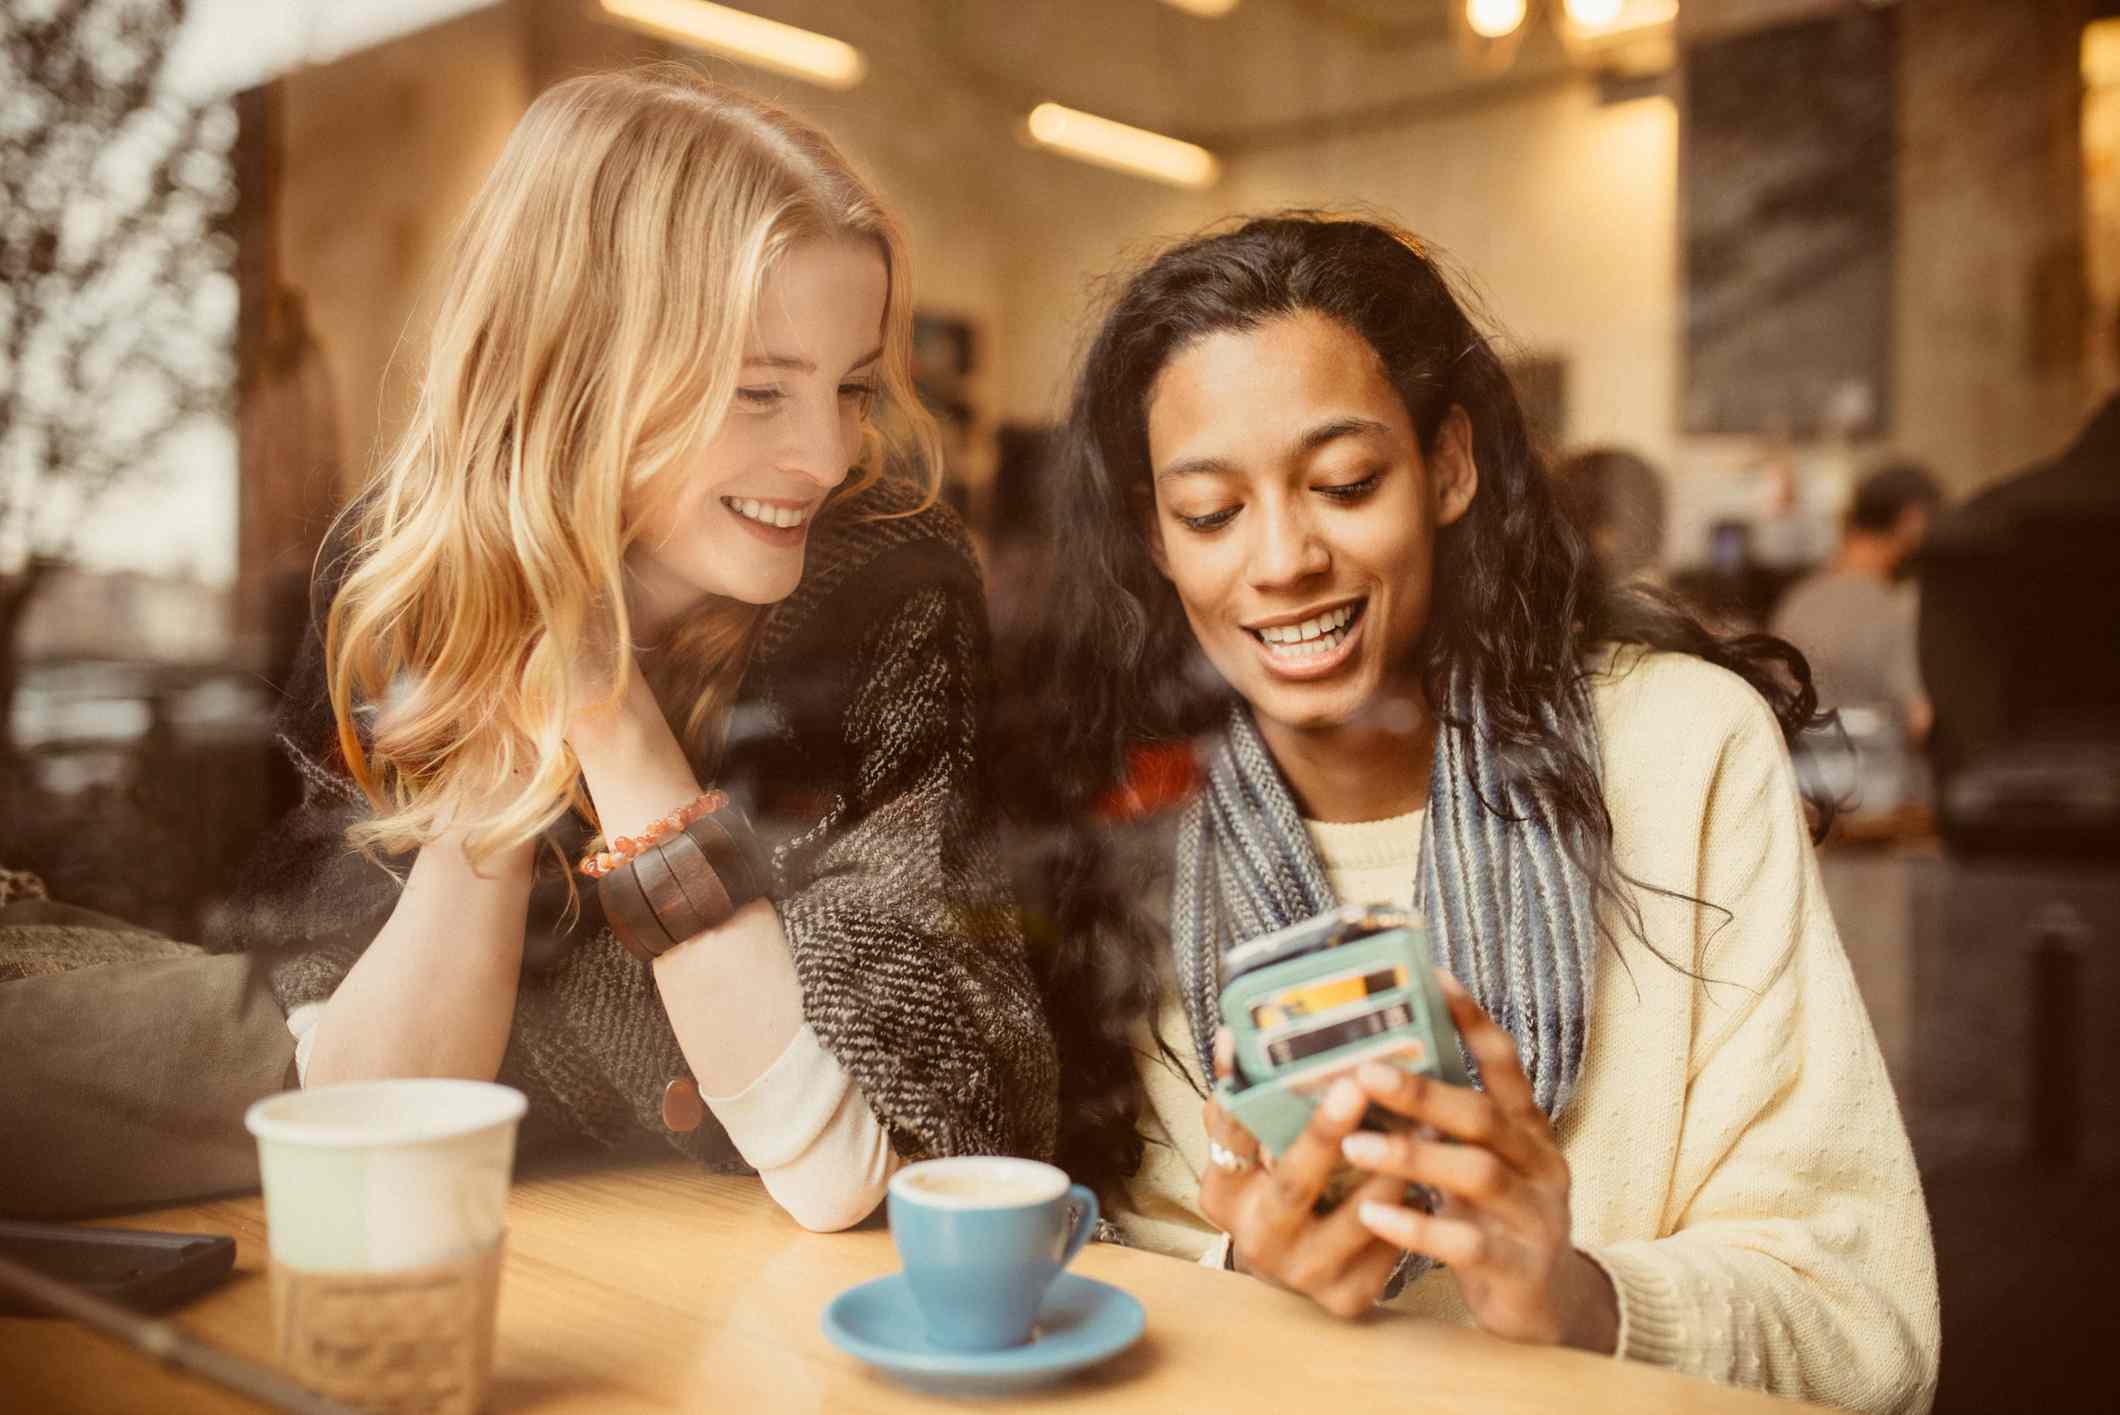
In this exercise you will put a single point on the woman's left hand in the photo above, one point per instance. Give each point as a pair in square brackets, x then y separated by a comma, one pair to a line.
[1503, 1223]
[634, 766]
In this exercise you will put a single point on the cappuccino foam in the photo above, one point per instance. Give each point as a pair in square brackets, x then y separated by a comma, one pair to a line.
[980, 1182]
[989, 1189]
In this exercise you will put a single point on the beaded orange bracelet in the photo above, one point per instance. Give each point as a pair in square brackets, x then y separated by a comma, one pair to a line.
[682, 886]
[599, 863]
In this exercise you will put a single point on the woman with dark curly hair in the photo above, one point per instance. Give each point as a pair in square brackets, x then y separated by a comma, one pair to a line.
[1300, 522]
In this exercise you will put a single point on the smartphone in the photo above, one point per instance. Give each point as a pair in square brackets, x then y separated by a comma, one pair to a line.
[139, 1269]
[1311, 1002]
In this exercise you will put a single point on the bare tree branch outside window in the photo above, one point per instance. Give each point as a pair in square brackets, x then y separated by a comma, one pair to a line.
[117, 299]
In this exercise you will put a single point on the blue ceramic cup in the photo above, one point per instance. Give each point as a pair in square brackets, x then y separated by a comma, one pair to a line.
[982, 1237]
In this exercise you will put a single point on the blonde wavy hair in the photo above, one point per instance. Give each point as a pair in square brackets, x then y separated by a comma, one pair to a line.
[593, 318]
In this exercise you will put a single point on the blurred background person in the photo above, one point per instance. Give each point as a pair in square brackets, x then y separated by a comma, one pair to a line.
[2016, 984]
[1616, 499]
[1854, 619]
[2018, 586]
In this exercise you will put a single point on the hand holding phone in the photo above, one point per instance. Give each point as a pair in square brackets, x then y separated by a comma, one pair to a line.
[1310, 1003]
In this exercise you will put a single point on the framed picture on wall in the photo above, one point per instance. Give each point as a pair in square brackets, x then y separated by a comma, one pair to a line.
[1786, 207]
[945, 352]
[1542, 388]
[945, 356]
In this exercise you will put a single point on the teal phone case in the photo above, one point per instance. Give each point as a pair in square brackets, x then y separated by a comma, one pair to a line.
[1317, 999]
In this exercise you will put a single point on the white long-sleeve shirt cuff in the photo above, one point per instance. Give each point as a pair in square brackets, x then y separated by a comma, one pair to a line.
[809, 1132]
[302, 1021]
[802, 1124]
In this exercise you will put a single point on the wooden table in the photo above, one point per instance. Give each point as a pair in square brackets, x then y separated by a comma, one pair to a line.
[659, 1288]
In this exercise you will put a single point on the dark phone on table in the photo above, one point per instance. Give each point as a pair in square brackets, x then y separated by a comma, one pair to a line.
[139, 1269]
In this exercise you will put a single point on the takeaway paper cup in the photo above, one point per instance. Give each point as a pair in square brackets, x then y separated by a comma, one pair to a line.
[384, 1205]
[381, 1176]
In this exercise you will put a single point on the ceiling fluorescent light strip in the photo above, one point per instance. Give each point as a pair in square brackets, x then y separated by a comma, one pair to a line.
[747, 38]
[1122, 148]
[1205, 9]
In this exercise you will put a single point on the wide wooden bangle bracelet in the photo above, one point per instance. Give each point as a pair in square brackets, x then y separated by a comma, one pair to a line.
[680, 887]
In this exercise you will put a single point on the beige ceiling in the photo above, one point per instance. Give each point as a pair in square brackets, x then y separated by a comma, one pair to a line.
[1272, 71]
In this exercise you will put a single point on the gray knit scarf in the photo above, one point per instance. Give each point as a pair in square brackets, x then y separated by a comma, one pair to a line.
[1507, 912]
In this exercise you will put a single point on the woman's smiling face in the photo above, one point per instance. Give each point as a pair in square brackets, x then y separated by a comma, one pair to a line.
[740, 523]
[1295, 515]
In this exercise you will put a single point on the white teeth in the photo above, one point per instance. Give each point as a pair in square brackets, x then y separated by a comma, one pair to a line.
[1309, 629]
[1312, 637]
[782, 516]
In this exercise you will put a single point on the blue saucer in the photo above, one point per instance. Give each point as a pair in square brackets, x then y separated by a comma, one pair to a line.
[1081, 1322]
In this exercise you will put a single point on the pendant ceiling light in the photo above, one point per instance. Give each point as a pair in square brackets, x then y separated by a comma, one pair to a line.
[1492, 19]
[1628, 34]
[1594, 14]
[1488, 32]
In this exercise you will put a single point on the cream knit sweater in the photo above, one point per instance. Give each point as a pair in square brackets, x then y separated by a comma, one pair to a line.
[1739, 1165]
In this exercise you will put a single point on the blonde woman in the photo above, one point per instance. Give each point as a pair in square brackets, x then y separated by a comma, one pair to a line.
[638, 545]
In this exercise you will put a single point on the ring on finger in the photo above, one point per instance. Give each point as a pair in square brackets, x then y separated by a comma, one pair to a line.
[1225, 1159]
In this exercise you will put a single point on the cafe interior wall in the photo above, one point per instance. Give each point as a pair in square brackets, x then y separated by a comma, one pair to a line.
[1561, 199]
[380, 153]
[1556, 194]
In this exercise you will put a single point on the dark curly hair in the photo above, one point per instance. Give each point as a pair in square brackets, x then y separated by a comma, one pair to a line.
[1518, 600]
